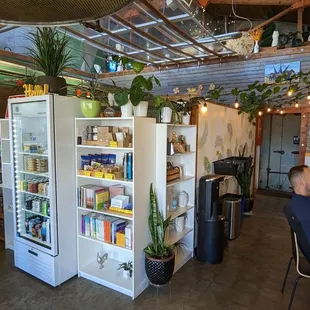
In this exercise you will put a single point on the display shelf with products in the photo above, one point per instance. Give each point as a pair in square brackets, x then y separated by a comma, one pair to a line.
[175, 185]
[112, 217]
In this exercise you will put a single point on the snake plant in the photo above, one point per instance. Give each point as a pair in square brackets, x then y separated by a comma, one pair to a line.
[157, 225]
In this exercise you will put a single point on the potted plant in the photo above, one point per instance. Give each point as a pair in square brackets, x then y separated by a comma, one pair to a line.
[164, 108]
[183, 107]
[127, 269]
[138, 94]
[159, 256]
[245, 180]
[121, 97]
[94, 96]
[51, 55]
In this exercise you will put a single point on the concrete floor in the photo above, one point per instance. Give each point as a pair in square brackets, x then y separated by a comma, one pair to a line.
[250, 277]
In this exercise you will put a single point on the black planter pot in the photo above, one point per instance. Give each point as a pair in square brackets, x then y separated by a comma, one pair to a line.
[248, 204]
[57, 85]
[159, 271]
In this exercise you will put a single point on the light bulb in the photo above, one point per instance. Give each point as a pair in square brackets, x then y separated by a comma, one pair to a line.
[268, 110]
[237, 104]
[281, 112]
[296, 105]
[308, 97]
[260, 113]
[289, 93]
[204, 108]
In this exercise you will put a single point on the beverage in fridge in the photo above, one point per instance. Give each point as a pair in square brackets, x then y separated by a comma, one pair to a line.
[42, 153]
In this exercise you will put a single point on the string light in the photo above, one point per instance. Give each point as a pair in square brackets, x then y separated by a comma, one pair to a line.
[260, 113]
[308, 97]
[296, 105]
[289, 93]
[237, 105]
[204, 108]
[268, 110]
[281, 112]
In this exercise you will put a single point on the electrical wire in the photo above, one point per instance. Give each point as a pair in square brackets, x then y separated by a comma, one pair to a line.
[240, 17]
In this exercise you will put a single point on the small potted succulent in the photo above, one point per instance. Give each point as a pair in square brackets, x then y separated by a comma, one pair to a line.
[51, 55]
[127, 269]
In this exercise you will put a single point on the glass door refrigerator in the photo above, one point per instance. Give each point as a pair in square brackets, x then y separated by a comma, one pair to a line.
[42, 153]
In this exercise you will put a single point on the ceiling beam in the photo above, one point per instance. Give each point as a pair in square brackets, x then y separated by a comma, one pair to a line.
[103, 46]
[297, 5]
[152, 38]
[176, 28]
[121, 39]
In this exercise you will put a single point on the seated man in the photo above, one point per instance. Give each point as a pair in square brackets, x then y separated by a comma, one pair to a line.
[299, 177]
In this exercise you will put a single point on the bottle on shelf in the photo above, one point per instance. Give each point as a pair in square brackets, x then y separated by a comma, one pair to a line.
[129, 166]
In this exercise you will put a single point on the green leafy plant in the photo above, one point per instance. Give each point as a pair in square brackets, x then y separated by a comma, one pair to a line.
[50, 51]
[158, 226]
[138, 91]
[127, 267]
[244, 180]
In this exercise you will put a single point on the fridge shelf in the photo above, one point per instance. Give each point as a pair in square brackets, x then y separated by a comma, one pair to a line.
[33, 194]
[37, 213]
[38, 174]
[37, 240]
[33, 154]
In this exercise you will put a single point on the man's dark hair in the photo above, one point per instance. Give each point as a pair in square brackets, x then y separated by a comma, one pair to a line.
[295, 172]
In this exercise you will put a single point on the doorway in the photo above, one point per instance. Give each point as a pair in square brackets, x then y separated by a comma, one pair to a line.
[279, 150]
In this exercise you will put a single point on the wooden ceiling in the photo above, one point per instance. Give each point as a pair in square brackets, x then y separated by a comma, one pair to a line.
[255, 9]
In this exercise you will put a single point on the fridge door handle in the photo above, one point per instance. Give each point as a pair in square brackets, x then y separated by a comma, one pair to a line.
[33, 253]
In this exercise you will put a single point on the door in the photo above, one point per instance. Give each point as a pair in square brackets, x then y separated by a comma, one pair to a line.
[33, 175]
[279, 150]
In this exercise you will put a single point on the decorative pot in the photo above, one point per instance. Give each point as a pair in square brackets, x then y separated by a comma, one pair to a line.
[141, 109]
[90, 108]
[127, 109]
[159, 271]
[126, 274]
[248, 204]
[186, 119]
[180, 223]
[256, 48]
[165, 116]
[56, 84]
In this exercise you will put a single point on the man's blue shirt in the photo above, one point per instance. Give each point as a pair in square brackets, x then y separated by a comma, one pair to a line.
[301, 208]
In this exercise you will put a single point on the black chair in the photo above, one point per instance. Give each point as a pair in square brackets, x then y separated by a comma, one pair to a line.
[299, 243]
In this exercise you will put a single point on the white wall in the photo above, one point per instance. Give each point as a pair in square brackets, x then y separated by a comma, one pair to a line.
[222, 133]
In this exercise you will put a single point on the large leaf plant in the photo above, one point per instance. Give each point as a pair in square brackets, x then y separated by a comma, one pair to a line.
[158, 248]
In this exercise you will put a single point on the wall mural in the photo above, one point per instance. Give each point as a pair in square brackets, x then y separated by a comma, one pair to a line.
[223, 133]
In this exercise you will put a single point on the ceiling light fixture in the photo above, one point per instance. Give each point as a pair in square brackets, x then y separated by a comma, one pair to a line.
[237, 105]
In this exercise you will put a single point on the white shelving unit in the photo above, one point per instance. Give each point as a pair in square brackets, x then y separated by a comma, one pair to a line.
[187, 163]
[6, 185]
[143, 149]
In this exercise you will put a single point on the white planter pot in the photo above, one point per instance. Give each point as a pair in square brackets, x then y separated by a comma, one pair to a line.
[126, 274]
[141, 109]
[180, 223]
[126, 109]
[186, 119]
[165, 116]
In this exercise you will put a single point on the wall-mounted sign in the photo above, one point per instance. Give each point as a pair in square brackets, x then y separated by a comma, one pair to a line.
[296, 140]
[35, 90]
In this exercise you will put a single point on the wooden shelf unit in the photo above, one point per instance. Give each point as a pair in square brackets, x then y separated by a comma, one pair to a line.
[143, 149]
[187, 161]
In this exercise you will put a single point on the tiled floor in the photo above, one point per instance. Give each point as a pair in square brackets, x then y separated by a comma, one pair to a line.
[250, 277]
